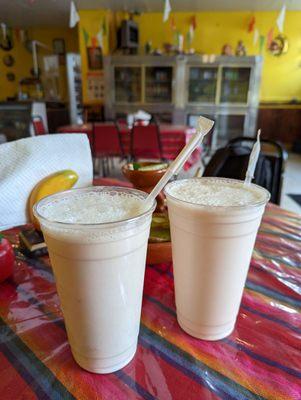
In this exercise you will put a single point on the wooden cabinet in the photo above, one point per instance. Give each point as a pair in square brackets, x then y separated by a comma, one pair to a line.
[282, 123]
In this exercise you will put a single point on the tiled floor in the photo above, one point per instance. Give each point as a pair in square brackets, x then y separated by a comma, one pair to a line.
[291, 183]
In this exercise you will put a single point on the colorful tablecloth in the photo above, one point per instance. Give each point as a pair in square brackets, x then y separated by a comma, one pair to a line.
[260, 360]
[173, 138]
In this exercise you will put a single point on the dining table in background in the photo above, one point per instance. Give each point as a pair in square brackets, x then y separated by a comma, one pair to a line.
[173, 139]
[259, 360]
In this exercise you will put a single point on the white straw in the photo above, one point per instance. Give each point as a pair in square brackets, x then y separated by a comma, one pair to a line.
[253, 160]
[204, 126]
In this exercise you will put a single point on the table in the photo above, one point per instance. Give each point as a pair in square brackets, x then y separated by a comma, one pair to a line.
[173, 139]
[260, 360]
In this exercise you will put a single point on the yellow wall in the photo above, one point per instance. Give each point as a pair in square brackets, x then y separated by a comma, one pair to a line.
[23, 58]
[281, 80]
[91, 21]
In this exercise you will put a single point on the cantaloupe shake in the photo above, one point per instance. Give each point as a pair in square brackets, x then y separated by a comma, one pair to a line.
[214, 222]
[97, 241]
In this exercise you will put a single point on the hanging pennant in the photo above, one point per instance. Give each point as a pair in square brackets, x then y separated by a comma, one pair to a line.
[74, 17]
[270, 37]
[281, 18]
[261, 43]
[191, 31]
[167, 10]
[172, 23]
[255, 36]
[193, 22]
[86, 36]
[251, 25]
[23, 35]
[104, 27]
[99, 37]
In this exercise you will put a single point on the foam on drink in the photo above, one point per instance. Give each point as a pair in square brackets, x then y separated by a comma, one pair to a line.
[215, 192]
[92, 208]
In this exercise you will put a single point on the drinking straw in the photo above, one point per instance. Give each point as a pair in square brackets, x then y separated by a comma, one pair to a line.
[204, 126]
[253, 160]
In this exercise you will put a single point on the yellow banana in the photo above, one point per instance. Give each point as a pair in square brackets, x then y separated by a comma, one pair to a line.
[57, 182]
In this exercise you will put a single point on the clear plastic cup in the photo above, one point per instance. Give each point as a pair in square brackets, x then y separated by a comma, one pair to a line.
[211, 250]
[99, 272]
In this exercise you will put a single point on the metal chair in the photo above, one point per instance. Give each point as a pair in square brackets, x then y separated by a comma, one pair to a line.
[146, 141]
[232, 162]
[38, 125]
[106, 143]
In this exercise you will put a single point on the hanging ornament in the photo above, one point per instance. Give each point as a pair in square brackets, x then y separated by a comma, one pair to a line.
[261, 43]
[172, 23]
[99, 37]
[255, 36]
[3, 30]
[86, 36]
[251, 25]
[23, 35]
[270, 37]
[74, 17]
[281, 18]
[94, 41]
[193, 22]
[167, 10]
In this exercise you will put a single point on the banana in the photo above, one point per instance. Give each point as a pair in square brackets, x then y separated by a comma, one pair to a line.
[57, 182]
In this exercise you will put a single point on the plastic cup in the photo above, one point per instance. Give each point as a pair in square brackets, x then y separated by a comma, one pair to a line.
[211, 250]
[99, 273]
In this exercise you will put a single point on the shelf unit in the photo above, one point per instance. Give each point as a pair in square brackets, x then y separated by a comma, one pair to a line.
[180, 88]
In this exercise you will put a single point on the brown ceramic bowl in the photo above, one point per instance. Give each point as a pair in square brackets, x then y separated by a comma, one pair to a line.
[158, 253]
[143, 179]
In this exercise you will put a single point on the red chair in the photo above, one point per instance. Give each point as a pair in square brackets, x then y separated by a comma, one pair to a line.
[146, 141]
[107, 143]
[38, 125]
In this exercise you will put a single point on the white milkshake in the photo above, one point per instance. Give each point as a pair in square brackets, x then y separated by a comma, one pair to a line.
[214, 222]
[97, 241]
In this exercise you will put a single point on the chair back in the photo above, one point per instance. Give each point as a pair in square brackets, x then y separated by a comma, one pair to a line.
[107, 140]
[232, 162]
[38, 125]
[146, 141]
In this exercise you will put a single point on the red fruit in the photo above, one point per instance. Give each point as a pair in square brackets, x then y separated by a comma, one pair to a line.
[7, 259]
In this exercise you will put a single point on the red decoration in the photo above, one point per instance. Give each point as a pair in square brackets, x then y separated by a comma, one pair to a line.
[94, 41]
[270, 37]
[251, 24]
[173, 24]
[193, 22]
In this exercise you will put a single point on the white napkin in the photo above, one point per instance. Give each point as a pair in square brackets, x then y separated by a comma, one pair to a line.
[24, 162]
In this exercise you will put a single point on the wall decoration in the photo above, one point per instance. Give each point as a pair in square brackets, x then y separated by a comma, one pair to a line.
[255, 36]
[270, 37]
[251, 25]
[10, 76]
[86, 36]
[74, 17]
[95, 86]
[58, 46]
[261, 43]
[281, 18]
[240, 49]
[227, 50]
[94, 55]
[167, 10]
[8, 60]
[94, 41]
[172, 24]
[278, 46]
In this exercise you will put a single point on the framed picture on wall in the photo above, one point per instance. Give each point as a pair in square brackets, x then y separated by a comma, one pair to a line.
[95, 60]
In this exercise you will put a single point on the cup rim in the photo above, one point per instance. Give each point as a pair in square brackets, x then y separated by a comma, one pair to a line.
[264, 201]
[72, 225]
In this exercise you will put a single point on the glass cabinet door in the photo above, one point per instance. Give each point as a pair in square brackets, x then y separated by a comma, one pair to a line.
[128, 84]
[235, 85]
[158, 84]
[202, 85]
[228, 127]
